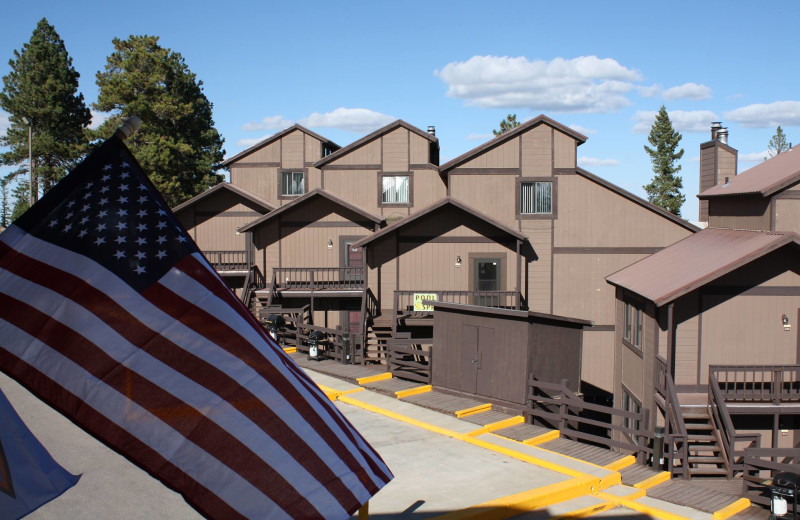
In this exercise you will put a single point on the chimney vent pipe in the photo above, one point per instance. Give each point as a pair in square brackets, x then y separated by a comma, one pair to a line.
[432, 130]
[715, 127]
[722, 135]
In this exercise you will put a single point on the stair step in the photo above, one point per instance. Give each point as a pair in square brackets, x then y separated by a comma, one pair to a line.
[708, 471]
[713, 448]
[699, 426]
[698, 459]
[687, 415]
[697, 437]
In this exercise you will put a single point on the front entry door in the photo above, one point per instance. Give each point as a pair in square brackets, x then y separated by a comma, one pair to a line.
[477, 360]
[352, 257]
[487, 278]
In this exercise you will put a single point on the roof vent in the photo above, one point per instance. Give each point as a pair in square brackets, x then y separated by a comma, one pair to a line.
[722, 135]
[715, 127]
[432, 130]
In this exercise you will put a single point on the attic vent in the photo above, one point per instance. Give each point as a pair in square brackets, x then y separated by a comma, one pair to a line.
[432, 130]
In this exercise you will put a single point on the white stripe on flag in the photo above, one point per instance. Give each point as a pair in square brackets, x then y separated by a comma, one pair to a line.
[105, 338]
[170, 444]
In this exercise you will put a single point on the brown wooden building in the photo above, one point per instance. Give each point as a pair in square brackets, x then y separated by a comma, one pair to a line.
[707, 330]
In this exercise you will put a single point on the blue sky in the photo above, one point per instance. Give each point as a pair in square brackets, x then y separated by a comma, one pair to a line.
[346, 68]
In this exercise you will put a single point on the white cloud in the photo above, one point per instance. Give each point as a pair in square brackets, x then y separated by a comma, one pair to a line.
[479, 137]
[583, 84]
[682, 120]
[754, 157]
[593, 161]
[4, 122]
[98, 118]
[695, 158]
[250, 141]
[648, 92]
[691, 91]
[583, 129]
[763, 115]
[268, 123]
[361, 120]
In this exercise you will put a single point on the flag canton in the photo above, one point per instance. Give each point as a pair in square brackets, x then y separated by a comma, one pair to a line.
[116, 218]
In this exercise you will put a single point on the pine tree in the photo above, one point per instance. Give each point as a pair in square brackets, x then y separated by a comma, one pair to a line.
[778, 144]
[665, 188]
[43, 87]
[177, 144]
[5, 210]
[507, 124]
[21, 201]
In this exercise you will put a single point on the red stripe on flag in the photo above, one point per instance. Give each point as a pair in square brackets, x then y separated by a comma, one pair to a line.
[200, 371]
[192, 267]
[117, 438]
[185, 419]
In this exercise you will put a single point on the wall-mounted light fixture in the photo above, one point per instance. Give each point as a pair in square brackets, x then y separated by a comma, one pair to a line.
[785, 321]
[458, 261]
[330, 244]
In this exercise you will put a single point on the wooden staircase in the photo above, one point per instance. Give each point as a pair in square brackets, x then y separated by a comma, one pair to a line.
[379, 331]
[705, 450]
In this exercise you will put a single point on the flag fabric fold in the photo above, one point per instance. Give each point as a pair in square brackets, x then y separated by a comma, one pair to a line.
[110, 313]
[29, 477]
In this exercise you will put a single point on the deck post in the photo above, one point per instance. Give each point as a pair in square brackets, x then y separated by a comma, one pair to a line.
[519, 274]
[671, 339]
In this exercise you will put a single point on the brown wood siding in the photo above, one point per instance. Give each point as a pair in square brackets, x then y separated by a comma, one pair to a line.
[504, 156]
[313, 179]
[749, 212]
[261, 181]
[395, 151]
[592, 216]
[268, 154]
[428, 189]
[787, 215]
[369, 153]
[540, 235]
[266, 245]
[597, 364]
[313, 151]
[358, 187]
[726, 165]
[708, 176]
[565, 148]
[212, 222]
[489, 194]
[537, 152]
[633, 370]
[687, 328]
[580, 289]
[419, 148]
[308, 246]
[292, 147]
[383, 278]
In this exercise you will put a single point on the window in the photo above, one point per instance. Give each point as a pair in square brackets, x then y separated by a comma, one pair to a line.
[536, 198]
[633, 326]
[292, 183]
[395, 189]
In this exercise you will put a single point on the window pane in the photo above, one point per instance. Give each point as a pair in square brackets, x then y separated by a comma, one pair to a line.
[292, 183]
[526, 198]
[535, 197]
[544, 196]
[627, 317]
[395, 189]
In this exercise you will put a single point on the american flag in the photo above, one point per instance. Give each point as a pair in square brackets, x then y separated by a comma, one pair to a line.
[110, 313]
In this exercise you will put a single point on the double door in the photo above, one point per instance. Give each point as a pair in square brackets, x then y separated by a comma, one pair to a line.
[477, 359]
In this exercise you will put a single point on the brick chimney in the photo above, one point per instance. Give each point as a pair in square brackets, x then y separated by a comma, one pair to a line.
[718, 161]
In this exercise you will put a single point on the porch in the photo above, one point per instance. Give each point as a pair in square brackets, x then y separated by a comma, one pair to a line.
[413, 307]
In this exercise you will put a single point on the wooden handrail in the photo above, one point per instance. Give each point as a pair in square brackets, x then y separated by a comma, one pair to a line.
[228, 260]
[758, 383]
[320, 278]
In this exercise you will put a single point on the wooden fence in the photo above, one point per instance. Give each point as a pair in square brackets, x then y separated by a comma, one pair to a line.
[557, 406]
[345, 347]
[410, 358]
[760, 465]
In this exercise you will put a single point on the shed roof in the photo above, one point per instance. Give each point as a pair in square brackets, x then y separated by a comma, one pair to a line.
[764, 179]
[275, 137]
[447, 201]
[508, 312]
[227, 186]
[307, 198]
[505, 136]
[697, 260]
[371, 137]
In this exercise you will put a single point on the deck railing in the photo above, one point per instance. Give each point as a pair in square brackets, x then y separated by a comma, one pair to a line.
[228, 260]
[320, 278]
[734, 445]
[558, 406]
[676, 436]
[757, 383]
[345, 347]
[408, 302]
[252, 282]
[760, 465]
[410, 358]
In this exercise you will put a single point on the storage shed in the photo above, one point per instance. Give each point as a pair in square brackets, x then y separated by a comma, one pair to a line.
[493, 352]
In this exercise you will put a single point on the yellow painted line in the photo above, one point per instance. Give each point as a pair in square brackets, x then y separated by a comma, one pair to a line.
[475, 409]
[649, 510]
[587, 511]
[541, 439]
[334, 394]
[622, 463]
[731, 509]
[413, 391]
[290, 350]
[635, 494]
[471, 440]
[499, 425]
[372, 379]
[513, 505]
[653, 481]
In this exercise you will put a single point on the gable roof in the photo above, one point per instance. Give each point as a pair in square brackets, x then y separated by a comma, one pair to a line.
[266, 206]
[638, 200]
[697, 260]
[371, 137]
[510, 134]
[430, 209]
[275, 137]
[304, 200]
[764, 179]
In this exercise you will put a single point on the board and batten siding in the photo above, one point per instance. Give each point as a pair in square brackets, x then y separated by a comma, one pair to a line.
[505, 155]
[492, 194]
[396, 150]
[787, 214]
[746, 212]
[537, 152]
[261, 181]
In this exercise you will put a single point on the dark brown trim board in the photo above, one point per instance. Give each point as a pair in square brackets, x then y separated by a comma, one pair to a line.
[606, 250]
[485, 171]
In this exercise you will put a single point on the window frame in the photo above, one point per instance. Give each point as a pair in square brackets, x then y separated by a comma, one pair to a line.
[553, 198]
[633, 326]
[281, 172]
[409, 203]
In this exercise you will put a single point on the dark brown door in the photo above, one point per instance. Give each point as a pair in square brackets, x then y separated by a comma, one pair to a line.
[477, 362]
[352, 257]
